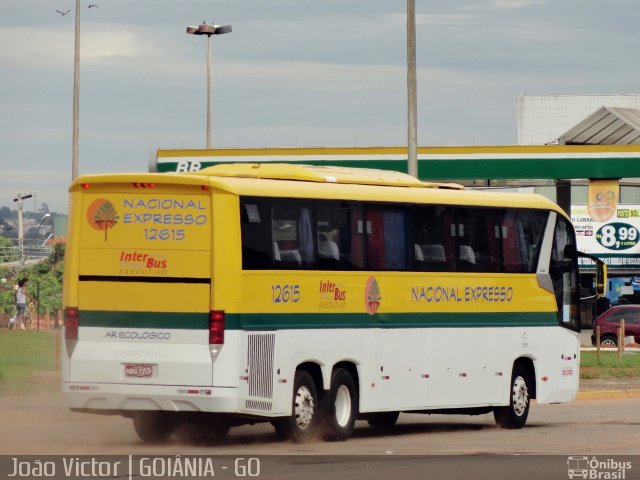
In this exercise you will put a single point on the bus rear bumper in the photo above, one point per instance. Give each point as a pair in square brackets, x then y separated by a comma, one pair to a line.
[120, 398]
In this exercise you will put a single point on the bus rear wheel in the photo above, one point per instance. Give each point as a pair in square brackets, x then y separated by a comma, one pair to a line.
[342, 406]
[153, 426]
[515, 415]
[305, 422]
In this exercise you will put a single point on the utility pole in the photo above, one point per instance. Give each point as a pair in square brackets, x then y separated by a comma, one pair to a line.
[20, 198]
[75, 153]
[412, 100]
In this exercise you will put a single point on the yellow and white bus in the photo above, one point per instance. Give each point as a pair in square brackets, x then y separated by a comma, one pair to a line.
[312, 296]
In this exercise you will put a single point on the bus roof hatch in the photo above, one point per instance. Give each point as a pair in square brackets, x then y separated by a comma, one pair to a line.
[321, 174]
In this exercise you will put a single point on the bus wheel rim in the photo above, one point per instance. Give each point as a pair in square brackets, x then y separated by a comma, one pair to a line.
[304, 408]
[520, 396]
[343, 405]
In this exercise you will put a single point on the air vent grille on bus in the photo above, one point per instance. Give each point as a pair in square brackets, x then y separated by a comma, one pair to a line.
[257, 405]
[260, 360]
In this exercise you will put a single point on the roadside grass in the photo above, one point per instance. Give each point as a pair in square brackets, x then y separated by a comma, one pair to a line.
[609, 367]
[27, 361]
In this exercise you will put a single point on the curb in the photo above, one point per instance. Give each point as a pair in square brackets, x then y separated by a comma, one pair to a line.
[608, 394]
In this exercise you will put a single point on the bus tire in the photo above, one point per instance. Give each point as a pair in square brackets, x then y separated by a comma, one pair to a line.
[515, 415]
[341, 406]
[152, 426]
[382, 422]
[305, 421]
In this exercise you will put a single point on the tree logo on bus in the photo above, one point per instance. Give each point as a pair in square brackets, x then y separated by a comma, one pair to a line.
[102, 215]
[372, 297]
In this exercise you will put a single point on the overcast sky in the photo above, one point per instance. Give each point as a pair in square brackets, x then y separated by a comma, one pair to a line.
[292, 73]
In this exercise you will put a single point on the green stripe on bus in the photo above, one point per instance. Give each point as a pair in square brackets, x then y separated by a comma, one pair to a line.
[277, 321]
[388, 320]
[167, 320]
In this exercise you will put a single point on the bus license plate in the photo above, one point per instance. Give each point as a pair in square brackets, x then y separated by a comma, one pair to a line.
[138, 370]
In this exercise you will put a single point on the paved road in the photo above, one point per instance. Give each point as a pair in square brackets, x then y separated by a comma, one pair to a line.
[40, 425]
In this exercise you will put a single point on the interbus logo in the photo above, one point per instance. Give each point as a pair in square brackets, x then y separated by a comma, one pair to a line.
[372, 296]
[102, 215]
[141, 260]
[332, 295]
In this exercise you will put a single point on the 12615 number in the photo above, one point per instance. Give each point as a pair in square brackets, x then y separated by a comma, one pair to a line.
[163, 234]
[285, 293]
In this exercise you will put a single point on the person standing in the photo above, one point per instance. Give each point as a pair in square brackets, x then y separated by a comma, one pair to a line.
[21, 303]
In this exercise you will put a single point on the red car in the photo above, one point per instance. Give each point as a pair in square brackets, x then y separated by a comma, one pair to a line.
[609, 322]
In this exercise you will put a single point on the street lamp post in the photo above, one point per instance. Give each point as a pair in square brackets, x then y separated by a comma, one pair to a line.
[208, 30]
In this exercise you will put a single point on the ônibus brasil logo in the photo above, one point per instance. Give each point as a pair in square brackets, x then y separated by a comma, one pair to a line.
[372, 295]
[102, 215]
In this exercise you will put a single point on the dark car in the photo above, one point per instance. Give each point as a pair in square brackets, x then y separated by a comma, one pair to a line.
[609, 322]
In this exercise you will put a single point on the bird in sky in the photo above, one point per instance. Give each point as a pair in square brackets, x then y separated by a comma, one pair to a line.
[93, 5]
[63, 13]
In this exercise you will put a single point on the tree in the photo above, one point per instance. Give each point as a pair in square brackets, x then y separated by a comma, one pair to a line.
[45, 284]
[7, 301]
[5, 212]
[8, 251]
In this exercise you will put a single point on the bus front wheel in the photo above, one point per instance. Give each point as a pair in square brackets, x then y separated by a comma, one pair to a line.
[305, 423]
[341, 406]
[515, 415]
[152, 426]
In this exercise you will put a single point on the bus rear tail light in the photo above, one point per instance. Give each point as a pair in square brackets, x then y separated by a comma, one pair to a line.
[71, 326]
[216, 327]
[216, 333]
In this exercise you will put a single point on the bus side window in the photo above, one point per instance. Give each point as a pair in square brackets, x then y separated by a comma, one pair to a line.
[257, 246]
[387, 238]
[292, 232]
[339, 230]
[433, 243]
[521, 239]
[478, 247]
[358, 232]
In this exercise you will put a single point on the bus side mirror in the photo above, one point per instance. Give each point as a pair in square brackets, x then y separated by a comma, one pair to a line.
[601, 279]
[601, 270]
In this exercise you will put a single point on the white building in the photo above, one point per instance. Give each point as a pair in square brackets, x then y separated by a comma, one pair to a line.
[542, 119]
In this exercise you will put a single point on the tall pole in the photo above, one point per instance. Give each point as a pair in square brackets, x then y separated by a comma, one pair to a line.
[20, 199]
[20, 231]
[412, 109]
[208, 30]
[76, 97]
[208, 91]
